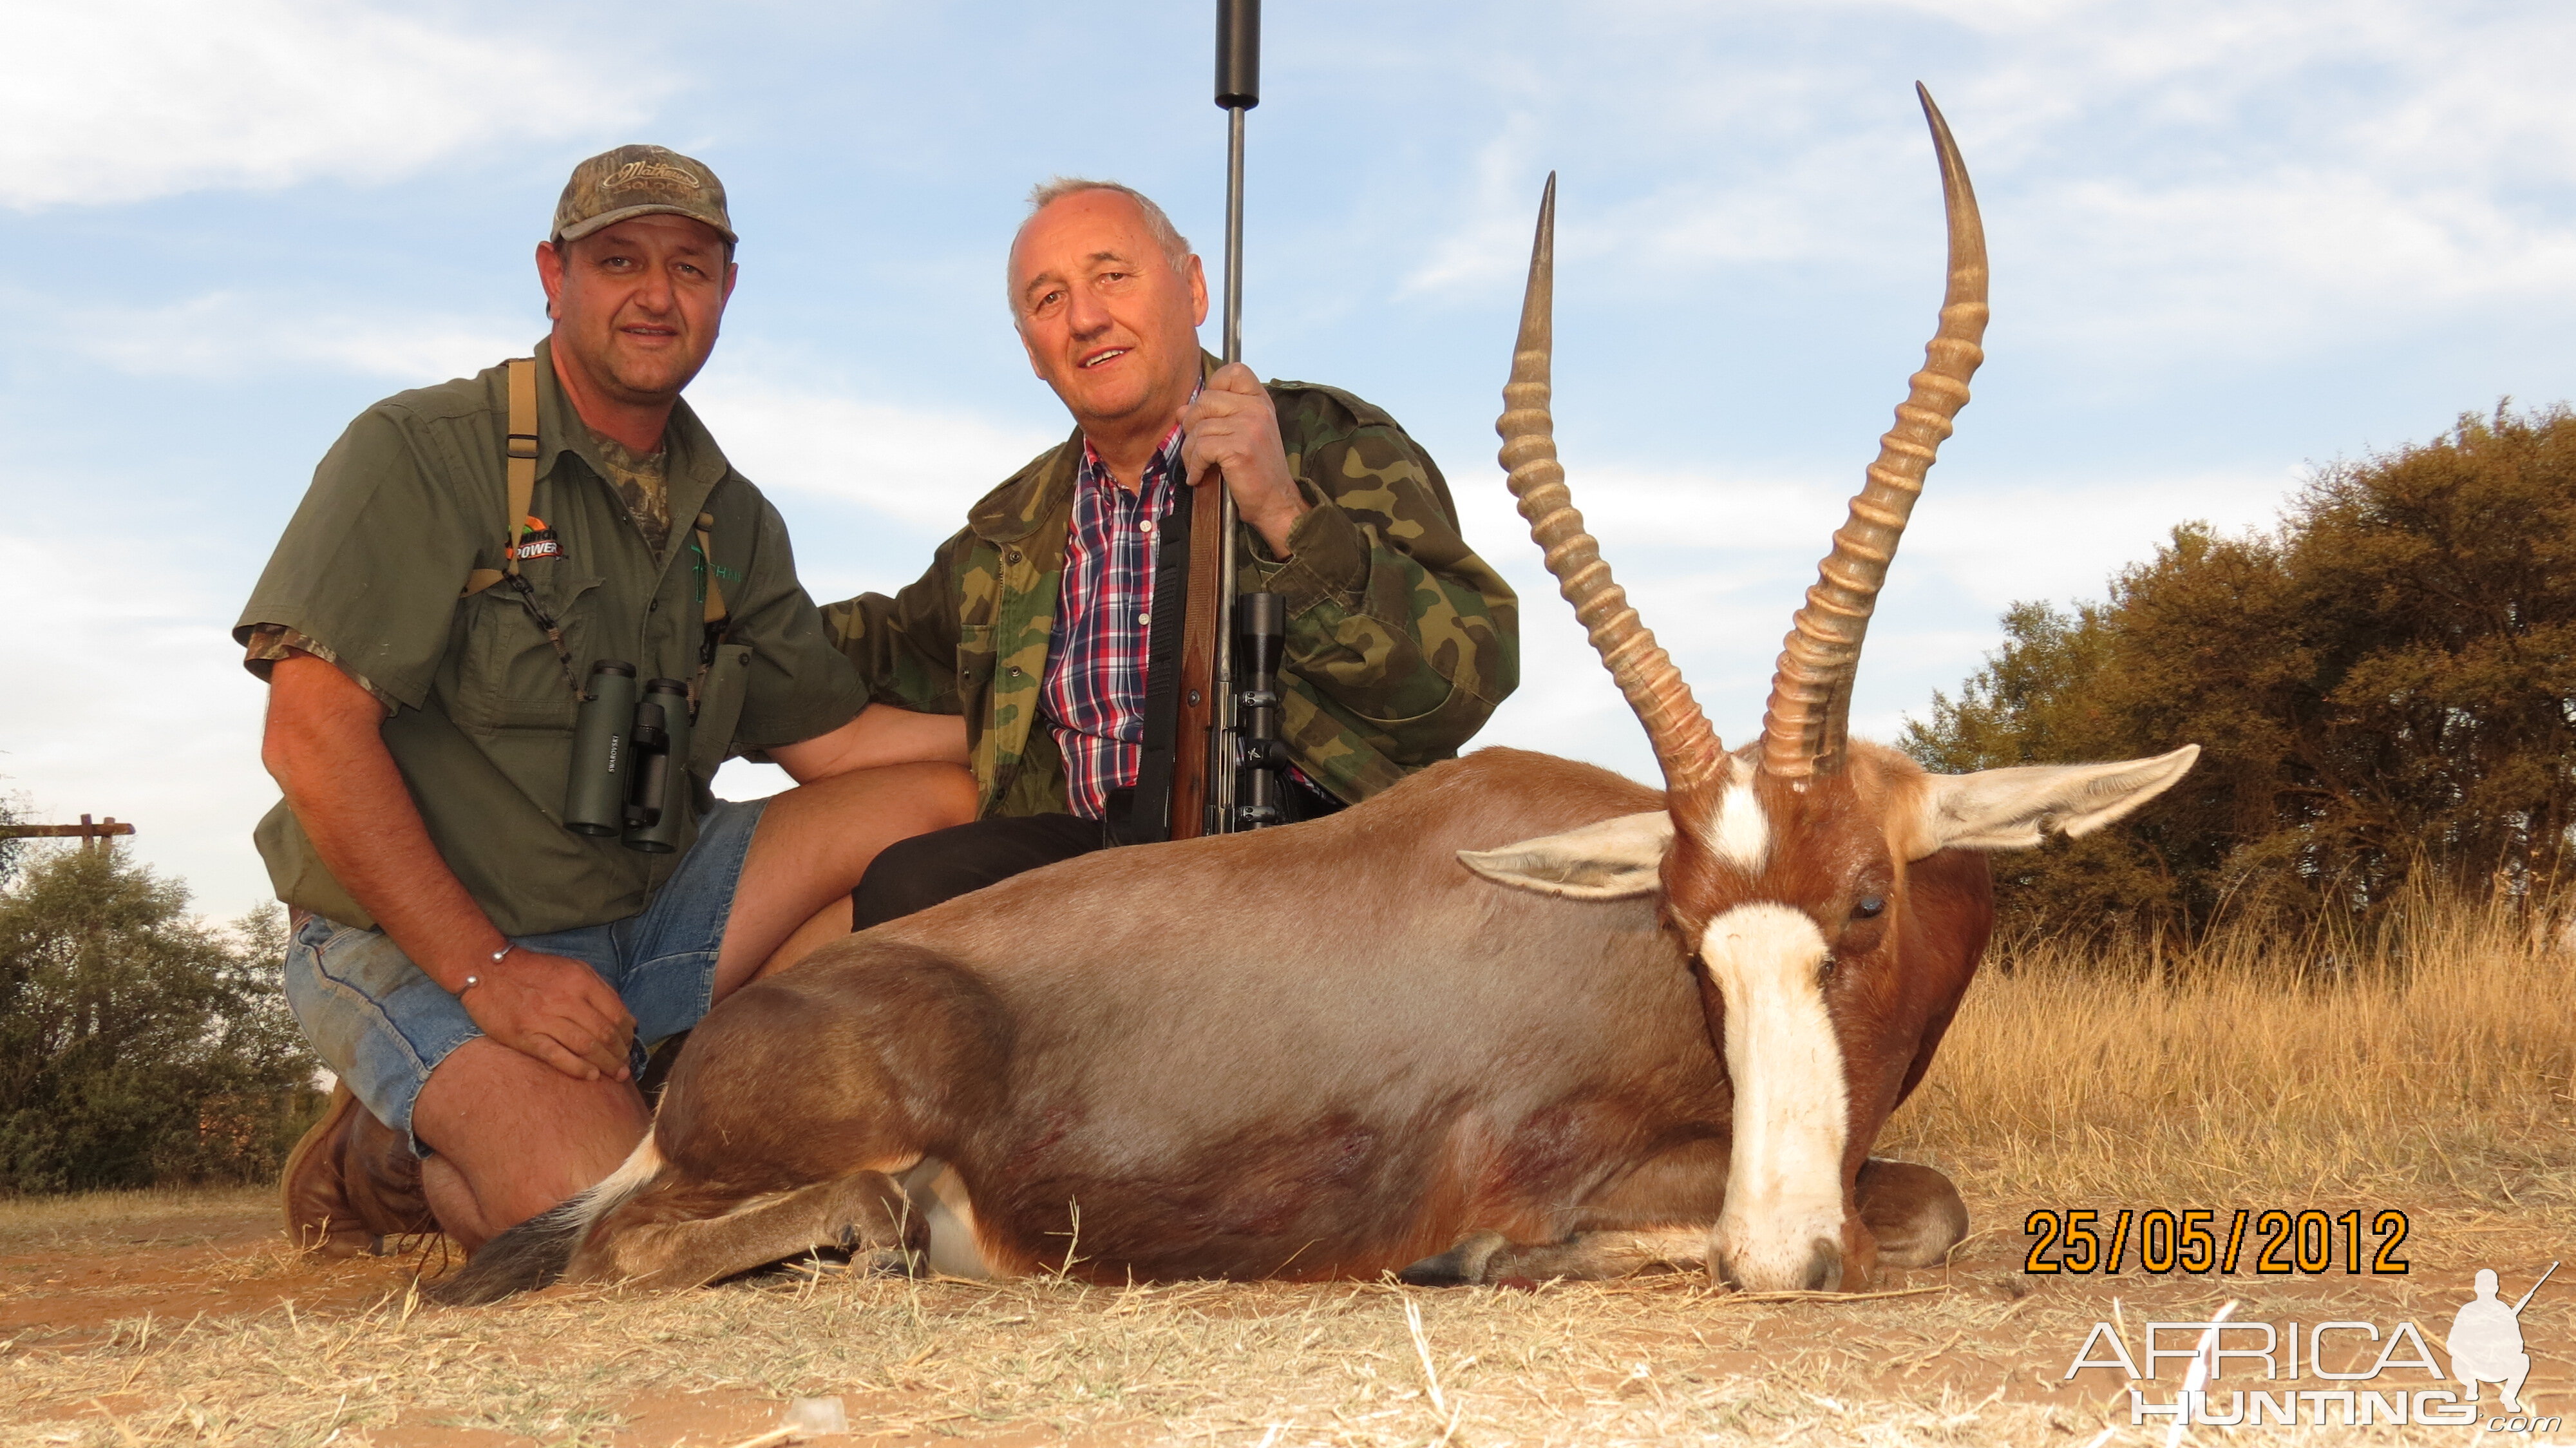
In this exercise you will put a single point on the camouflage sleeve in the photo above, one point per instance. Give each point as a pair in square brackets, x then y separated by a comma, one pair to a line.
[905, 646]
[1392, 617]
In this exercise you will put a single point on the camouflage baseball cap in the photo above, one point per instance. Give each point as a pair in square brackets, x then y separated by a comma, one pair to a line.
[639, 181]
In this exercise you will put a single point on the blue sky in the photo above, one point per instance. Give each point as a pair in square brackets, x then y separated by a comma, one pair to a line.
[2231, 241]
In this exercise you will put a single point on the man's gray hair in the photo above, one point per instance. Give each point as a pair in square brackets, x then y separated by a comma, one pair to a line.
[1167, 237]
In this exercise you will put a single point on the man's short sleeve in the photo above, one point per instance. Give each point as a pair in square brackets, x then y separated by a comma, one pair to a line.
[372, 562]
[270, 642]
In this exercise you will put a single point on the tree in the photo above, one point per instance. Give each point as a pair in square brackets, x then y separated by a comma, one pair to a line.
[136, 1045]
[12, 811]
[2382, 685]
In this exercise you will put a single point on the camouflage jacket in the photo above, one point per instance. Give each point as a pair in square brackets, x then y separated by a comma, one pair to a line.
[1400, 639]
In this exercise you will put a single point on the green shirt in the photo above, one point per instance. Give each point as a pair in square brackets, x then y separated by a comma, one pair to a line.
[406, 505]
[1400, 639]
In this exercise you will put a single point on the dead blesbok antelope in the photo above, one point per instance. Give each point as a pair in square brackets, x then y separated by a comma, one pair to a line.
[1517, 1016]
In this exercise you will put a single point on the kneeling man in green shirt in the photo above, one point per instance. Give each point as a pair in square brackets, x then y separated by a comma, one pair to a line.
[484, 979]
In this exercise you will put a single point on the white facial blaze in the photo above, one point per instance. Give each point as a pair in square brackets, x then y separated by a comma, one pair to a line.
[1784, 1190]
[1743, 833]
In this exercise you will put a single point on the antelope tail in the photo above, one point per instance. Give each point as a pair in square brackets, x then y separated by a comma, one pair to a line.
[533, 1254]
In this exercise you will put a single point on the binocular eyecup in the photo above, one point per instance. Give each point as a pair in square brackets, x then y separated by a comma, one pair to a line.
[630, 760]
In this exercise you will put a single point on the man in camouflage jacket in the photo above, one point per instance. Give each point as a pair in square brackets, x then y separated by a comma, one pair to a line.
[1401, 641]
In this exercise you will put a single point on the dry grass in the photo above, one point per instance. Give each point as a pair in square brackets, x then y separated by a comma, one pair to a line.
[2437, 1062]
[2433, 1075]
[1645, 1362]
[1635, 1363]
[115, 1221]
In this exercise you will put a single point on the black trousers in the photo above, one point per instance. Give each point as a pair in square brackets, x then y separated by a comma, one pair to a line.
[920, 872]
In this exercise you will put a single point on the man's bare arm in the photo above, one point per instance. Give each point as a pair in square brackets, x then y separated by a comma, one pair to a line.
[882, 734]
[325, 748]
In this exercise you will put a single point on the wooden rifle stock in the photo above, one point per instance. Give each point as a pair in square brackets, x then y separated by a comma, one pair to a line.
[1209, 540]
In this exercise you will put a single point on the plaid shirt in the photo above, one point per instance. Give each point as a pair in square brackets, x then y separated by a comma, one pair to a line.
[1094, 693]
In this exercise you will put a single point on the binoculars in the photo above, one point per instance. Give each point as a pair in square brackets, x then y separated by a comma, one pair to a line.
[630, 760]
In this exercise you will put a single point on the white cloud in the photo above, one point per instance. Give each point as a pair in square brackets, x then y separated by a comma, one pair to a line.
[922, 466]
[1990, 543]
[136, 705]
[1715, 565]
[123, 100]
[2064, 541]
[1493, 241]
[228, 334]
[2257, 175]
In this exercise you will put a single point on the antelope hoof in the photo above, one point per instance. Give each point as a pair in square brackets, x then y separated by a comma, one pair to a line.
[1913, 1211]
[896, 1262]
[1460, 1266]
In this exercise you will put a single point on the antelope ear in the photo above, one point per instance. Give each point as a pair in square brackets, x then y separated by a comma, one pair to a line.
[1617, 859]
[2011, 809]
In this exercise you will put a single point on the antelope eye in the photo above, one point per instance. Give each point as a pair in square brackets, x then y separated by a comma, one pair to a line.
[1869, 908]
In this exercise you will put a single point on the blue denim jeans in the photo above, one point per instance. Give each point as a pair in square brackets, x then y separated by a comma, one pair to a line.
[384, 1026]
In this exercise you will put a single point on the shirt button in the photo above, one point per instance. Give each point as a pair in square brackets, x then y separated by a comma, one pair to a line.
[1145, 527]
[1010, 555]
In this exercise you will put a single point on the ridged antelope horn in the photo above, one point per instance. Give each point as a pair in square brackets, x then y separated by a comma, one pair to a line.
[1805, 723]
[1684, 743]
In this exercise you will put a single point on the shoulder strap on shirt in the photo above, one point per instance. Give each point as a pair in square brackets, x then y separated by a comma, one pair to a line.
[714, 613]
[519, 456]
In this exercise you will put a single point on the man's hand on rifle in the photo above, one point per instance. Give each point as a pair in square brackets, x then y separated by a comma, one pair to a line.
[555, 1009]
[1233, 429]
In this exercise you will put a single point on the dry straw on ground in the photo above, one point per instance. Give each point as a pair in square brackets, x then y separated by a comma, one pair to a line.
[2431, 1074]
[2434, 1060]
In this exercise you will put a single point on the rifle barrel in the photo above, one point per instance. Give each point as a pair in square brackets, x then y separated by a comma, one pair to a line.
[1238, 89]
[1234, 235]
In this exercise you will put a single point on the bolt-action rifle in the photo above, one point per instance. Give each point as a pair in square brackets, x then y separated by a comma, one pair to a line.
[1227, 760]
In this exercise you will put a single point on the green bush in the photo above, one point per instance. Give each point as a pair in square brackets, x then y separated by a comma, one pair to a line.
[2384, 686]
[138, 1046]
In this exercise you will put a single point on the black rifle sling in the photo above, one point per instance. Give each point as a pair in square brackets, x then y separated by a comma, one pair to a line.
[1149, 812]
